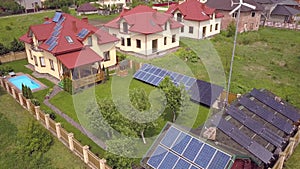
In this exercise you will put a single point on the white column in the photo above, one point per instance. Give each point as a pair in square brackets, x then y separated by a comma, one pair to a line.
[57, 127]
[71, 144]
[13, 93]
[37, 114]
[47, 116]
[21, 99]
[28, 104]
[102, 163]
[85, 153]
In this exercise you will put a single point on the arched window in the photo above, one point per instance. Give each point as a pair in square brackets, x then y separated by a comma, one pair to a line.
[125, 27]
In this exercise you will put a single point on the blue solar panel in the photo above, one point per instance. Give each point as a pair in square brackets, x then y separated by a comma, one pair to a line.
[289, 112]
[57, 16]
[170, 137]
[181, 143]
[205, 156]
[219, 161]
[267, 115]
[83, 33]
[55, 33]
[52, 46]
[50, 40]
[157, 157]
[169, 161]
[192, 149]
[57, 27]
[62, 19]
[182, 164]
[193, 167]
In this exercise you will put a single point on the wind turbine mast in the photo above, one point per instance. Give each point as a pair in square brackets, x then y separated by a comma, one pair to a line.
[237, 8]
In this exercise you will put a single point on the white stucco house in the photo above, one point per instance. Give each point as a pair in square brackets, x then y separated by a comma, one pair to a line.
[199, 20]
[145, 32]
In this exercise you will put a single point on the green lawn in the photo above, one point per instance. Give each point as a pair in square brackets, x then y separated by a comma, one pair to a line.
[12, 119]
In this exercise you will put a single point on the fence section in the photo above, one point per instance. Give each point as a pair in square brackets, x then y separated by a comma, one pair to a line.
[292, 26]
[12, 57]
[66, 138]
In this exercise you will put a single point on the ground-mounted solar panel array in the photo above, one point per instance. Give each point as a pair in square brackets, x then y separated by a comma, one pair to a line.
[179, 150]
[201, 92]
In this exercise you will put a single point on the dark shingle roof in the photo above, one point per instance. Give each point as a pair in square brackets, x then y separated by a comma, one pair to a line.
[87, 7]
[226, 5]
[285, 10]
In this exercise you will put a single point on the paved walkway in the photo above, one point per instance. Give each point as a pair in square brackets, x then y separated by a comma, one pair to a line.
[56, 90]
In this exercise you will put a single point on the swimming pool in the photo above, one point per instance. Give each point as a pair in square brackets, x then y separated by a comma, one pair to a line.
[23, 79]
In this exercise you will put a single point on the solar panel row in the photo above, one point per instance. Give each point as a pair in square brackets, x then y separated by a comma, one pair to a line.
[267, 115]
[285, 110]
[154, 75]
[205, 93]
[256, 126]
[202, 92]
[256, 149]
[180, 150]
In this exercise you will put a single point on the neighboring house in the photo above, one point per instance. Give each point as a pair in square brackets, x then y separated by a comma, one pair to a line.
[249, 19]
[200, 21]
[284, 11]
[284, 14]
[86, 8]
[66, 46]
[145, 32]
[30, 5]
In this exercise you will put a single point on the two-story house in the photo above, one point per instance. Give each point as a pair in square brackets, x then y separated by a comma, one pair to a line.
[145, 32]
[249, 18]
[200, 21]
[65, 46]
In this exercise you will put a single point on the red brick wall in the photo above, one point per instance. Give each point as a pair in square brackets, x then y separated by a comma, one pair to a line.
[246, 21]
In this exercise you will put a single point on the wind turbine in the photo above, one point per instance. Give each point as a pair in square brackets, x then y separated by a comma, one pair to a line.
[237, 8]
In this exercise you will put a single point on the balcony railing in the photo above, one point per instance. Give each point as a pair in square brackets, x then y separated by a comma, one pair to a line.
[36, 49]
[88, 80]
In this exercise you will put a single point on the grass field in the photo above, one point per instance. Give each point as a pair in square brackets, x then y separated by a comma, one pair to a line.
[12, 118]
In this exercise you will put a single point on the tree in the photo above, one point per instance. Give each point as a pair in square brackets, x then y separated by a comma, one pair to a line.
[231, 29]
[65, 9]
[119, 151]
[139, 99]
[3, 50]
[16, 45]
[173, 94]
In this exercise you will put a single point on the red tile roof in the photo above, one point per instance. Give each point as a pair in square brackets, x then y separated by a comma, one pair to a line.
[193, 10]
[86, 7]
[79, 58]
[145, 20]
[71, 26]
[25, 38]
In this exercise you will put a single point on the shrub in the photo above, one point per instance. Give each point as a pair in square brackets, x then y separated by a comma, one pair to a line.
[231, 29]
[68, 85]
[8, 28]
[16, 46]
[65, 9]
[3, 50]
[35, 102]
[51, 114]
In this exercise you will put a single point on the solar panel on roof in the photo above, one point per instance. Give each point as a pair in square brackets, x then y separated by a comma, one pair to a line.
[57, 16]
[55, 33]
[157, 157]
[205, 156]
[57, 27]
[62, 19]
[290, 113]
[50, 40]
[267, 115]
[252, 146]
[220, 161]
[191, 146]
[256, 126]
[83, 33]
[52, 46]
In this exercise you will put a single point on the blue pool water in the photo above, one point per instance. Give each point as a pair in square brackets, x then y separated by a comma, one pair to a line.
[23, 79]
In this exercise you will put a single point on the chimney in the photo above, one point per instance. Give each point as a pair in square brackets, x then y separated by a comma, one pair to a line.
[210, 133]
[46, 18]
[85, 19]
[74, 27]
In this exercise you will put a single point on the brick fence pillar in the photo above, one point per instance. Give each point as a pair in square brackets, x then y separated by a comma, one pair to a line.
[57, 127]
[71, 144]
[47, 116]
[1, 82]
[28, 104]
[21, 99]
[13, 93]
[37, 114]
[102, 163]
[6, 87]
[85, 153]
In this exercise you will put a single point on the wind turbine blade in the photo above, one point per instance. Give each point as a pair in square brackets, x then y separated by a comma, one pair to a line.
[249, 6]
[235, 9]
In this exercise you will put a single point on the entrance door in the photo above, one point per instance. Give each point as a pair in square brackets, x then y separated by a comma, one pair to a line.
[154, 46]
[203, 31]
